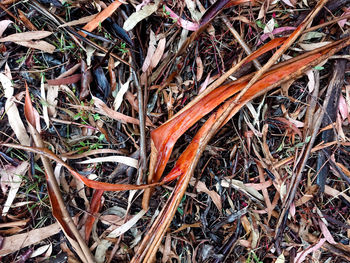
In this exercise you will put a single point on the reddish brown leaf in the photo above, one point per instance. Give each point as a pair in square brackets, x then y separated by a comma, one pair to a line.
[56, 211]
[86, 79]
[64, 81]
[95, 207]
[28, 108]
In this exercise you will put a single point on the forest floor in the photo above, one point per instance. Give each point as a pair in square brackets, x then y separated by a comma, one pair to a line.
[174, 131]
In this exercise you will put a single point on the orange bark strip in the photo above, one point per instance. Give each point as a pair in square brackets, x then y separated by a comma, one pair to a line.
[165, 136]
[94, 23]
[266, 81]
[90, 183]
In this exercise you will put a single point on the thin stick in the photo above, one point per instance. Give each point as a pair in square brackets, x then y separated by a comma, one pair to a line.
[143, 152]
[240, 40]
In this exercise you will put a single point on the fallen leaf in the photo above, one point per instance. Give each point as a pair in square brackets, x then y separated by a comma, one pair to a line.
[185, 24]
[150, 51]
[12, 112]
[300, 257]
[215, 197]
[288, 2]
[64, 81]
[14, 177]
[105, 244]
[311, 76]
[14, 243]
[40, 250]
[26, 36]
[280, 259]
[40, 45]
[326, 232]
[44, 104]
[52, 94]
[200, 69]
[313, 46]
[158, 53]
[79, 21]
[119, 159]
[139, 15]
[95, 207]
[120, 95]
[343, 108]
[102, 108]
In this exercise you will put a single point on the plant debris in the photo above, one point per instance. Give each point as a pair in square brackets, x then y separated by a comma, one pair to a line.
[174, 131]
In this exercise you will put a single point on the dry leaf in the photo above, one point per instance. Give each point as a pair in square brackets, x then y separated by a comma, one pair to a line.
[201, 187]
[311, 76]
[326, 232]
[14, 176]
[40, 250]
[107, 12]
[139, 15]
[280, 259]
[15, 122]
[14, 243]
[290, 3]
[185, 24]
[313, 46]
[105, 244]
[52, 93]
[79, 21]
[12, 112]
[40, 45]
[158, 53]
[150, 51]
[26, 36]
[343, 108]
[120, 95]
[44, 104]
[200, 69]
[119, 159]
[102, 108]
[300, 257]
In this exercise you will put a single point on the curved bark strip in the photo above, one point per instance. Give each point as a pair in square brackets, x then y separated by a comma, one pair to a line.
[88, 182]
[165, 136]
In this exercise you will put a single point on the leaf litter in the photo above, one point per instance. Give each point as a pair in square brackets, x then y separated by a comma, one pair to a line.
[175, 137]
